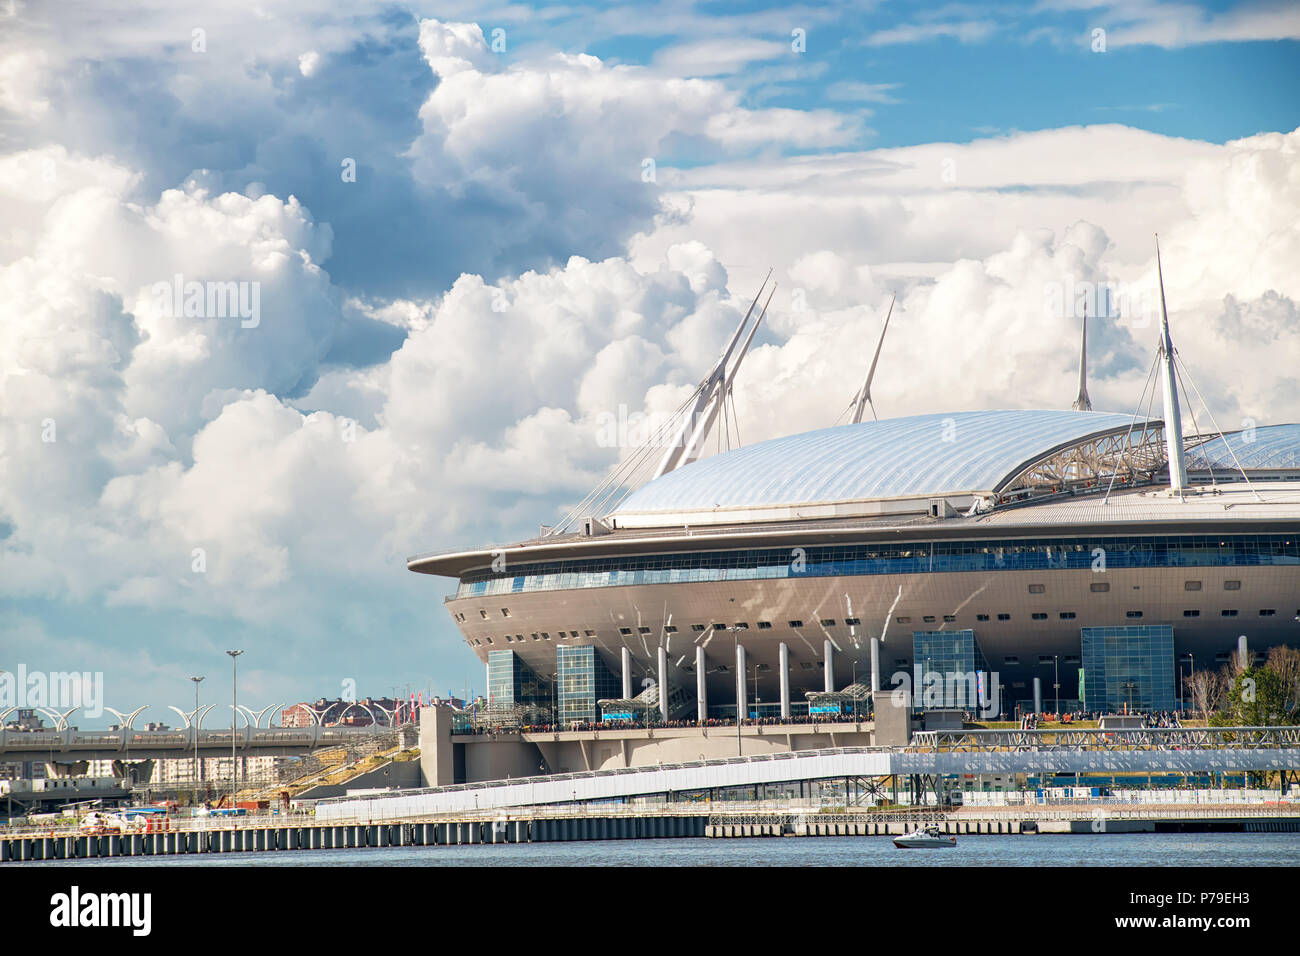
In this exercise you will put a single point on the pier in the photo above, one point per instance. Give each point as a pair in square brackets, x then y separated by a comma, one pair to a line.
[672, 821]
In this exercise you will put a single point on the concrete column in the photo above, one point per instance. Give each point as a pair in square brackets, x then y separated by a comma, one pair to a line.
[875, 665]
[785, 681]
[1243, 652]
[1038, 696]
[701, 686]
[740, 682]
[487, 687]
[437, 766]
[627, 674]
[828, 651]
[663, 682]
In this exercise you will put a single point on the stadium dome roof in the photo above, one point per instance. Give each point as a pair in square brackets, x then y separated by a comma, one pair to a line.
[835, 470]
[1269, 446]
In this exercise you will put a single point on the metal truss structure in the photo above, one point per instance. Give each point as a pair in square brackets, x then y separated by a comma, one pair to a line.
[1130, 456]
[1152, 738]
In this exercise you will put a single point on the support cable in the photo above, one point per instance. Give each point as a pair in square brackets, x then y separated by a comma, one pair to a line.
[1226, 443]
[1129, 435]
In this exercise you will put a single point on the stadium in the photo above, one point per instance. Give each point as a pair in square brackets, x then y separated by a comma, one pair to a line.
[1103, 555]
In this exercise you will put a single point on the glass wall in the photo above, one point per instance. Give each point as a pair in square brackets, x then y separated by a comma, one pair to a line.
[953, 670]
[1128, 666]
[511, 683]
[583, 679]
[919, 557]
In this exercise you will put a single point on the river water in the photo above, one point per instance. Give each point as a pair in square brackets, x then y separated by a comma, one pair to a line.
[1136, 849]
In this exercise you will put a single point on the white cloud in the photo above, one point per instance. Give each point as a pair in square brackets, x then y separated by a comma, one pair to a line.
[932, 203]
[967, 31]
[854, 91]
[305, 484]
[453, 48]
[572, 149]
[22, 81]
[492, 404]
[717, 57]
[272, 246]
[1174, 25]
[487, 418]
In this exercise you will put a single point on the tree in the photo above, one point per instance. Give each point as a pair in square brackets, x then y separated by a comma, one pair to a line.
[1206, 689]
[1285, 662]
[1258, 697]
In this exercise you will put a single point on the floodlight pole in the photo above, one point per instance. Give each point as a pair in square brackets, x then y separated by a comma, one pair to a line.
[194, 728]
[234, 726]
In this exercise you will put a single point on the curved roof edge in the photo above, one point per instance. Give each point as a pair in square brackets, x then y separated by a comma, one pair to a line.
[893, 466]
[1263, 447]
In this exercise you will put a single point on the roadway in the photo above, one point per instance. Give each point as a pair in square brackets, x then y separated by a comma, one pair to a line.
[1224, 750]
[131, 744]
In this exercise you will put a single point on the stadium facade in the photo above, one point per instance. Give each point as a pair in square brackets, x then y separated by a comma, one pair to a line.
[1104, 553]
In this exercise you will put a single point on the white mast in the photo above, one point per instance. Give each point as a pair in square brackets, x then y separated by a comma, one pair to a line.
[1173, 417]
[863, 398]
[692, 450]
[710, 392]
[1083, 403]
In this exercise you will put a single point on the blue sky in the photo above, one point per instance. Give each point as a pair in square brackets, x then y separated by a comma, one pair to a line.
[433, 358]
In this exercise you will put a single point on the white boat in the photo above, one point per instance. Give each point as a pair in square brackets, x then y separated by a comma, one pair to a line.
[924, 838]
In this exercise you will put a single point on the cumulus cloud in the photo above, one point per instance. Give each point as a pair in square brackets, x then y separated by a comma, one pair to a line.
[566, 149]
[22, 83]
[1001, 329]
[494, 403]
[453, 47]
[496, 397]
[936, 202]
[76, 217]
[309, 63]
[442, 343]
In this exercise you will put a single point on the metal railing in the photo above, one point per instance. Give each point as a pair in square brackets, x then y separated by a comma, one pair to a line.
[1151, 738]
[793, 755]
[843, 724]
[211, 743]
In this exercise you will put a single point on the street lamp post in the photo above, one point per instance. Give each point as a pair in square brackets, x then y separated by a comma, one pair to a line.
[234, 726]
[1129, 687]
[1056, 682]
[194, 727]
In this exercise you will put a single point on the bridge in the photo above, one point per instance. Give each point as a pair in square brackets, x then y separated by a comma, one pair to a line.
[1146, 738]
[129, 744]
[66, 743]
[931, 756]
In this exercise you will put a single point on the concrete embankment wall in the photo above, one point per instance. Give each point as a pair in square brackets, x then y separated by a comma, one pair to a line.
[350, 836]
[16, 848]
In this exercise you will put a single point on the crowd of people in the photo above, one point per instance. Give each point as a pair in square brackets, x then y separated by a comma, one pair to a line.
[1028, 721]
[1155, 718]
[637, 724]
